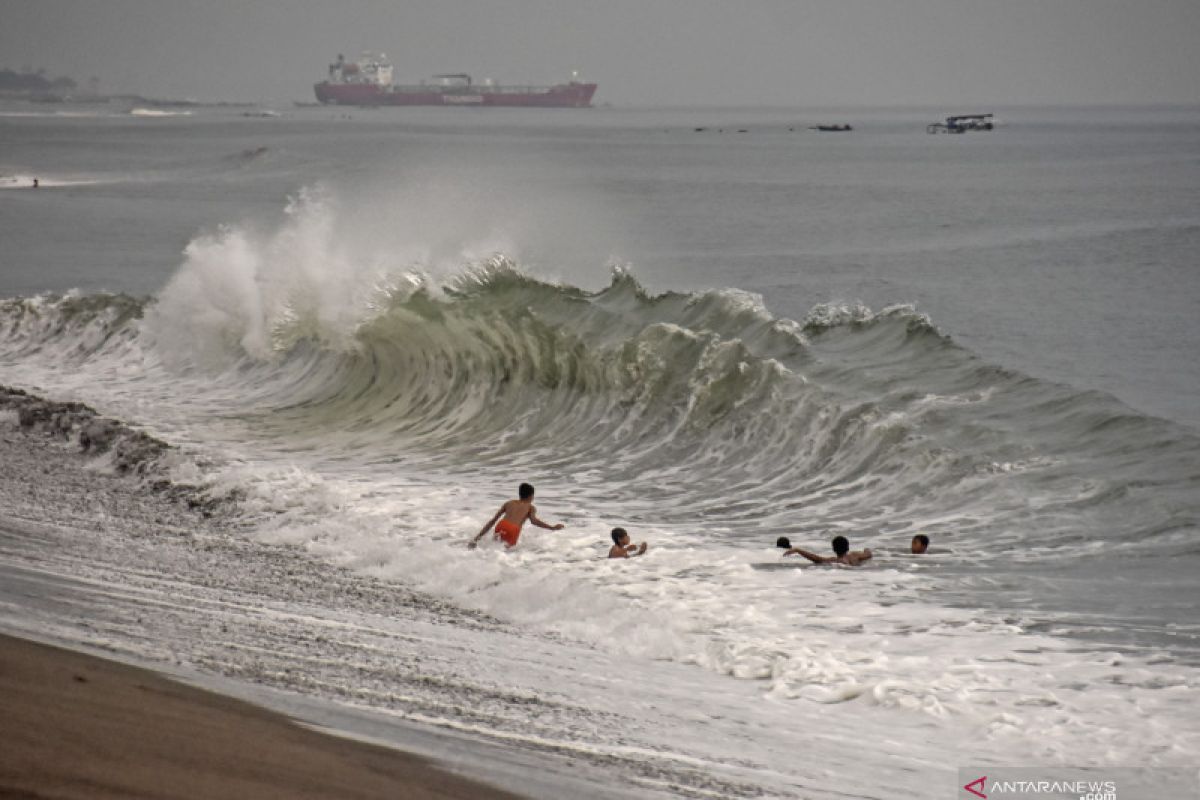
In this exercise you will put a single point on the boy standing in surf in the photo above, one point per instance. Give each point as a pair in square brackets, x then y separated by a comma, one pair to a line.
[842, 554]
[514, 513]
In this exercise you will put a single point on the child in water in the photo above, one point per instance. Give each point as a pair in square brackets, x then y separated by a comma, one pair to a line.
[842, 554]
[514, 513]
[622, 548]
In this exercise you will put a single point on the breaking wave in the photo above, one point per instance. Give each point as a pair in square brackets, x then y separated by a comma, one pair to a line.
[707, 403]
[703, 399]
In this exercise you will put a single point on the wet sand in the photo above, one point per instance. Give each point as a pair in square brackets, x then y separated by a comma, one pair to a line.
[76, 726]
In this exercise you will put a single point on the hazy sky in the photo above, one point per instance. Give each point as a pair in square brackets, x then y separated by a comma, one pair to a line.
[641, 52]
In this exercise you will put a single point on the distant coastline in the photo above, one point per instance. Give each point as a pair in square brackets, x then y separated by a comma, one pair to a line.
[35, 86]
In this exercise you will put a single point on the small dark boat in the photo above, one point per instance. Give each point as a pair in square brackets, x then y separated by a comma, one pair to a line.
[962, 123]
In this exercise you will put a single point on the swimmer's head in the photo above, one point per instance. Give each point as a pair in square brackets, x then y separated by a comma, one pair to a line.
[783, 542]
[620, 536]
[525, 491]
[920, 544]
[841, 545]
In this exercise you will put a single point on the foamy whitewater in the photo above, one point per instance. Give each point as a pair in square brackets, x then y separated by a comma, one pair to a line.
[369, 396]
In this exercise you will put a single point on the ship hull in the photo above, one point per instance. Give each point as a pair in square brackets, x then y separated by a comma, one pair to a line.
[572, 95]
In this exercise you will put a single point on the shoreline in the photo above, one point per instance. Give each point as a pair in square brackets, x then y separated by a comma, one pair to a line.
[84, 723]
[104, 555]
[80, 726]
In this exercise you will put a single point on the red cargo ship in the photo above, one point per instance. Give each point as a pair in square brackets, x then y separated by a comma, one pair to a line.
[368, 82]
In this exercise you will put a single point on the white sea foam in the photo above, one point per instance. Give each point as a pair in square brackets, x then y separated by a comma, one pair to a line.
[59, 114]
[157, 112]
[804, 635]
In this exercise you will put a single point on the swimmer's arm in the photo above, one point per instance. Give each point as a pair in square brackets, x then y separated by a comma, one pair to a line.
[533, 517]
[627, 552]
[487, 527]
[861, 556]
[813, 557]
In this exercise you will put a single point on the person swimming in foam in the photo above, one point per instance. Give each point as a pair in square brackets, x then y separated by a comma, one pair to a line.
[842, 554]
[623, 547]
[920, 544]
[514, 513]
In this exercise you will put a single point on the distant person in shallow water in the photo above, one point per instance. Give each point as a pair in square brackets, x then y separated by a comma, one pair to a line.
[920, 543]
[842, 554]
[622, 547]
[514, 513]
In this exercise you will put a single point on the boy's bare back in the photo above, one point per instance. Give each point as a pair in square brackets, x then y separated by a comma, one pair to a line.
[517, 511]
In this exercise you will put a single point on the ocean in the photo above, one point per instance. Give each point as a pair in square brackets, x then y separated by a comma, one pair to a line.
[712, 327]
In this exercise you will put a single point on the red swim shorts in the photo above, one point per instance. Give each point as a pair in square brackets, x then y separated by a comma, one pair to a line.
[508, 532]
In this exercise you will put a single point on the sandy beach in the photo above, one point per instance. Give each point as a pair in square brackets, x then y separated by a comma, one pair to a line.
[79, 726]
[83, 727]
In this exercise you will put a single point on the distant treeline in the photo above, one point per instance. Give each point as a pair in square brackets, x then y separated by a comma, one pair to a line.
[34, 83]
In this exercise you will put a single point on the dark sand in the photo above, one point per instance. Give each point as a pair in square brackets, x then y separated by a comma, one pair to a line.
[75, 726]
